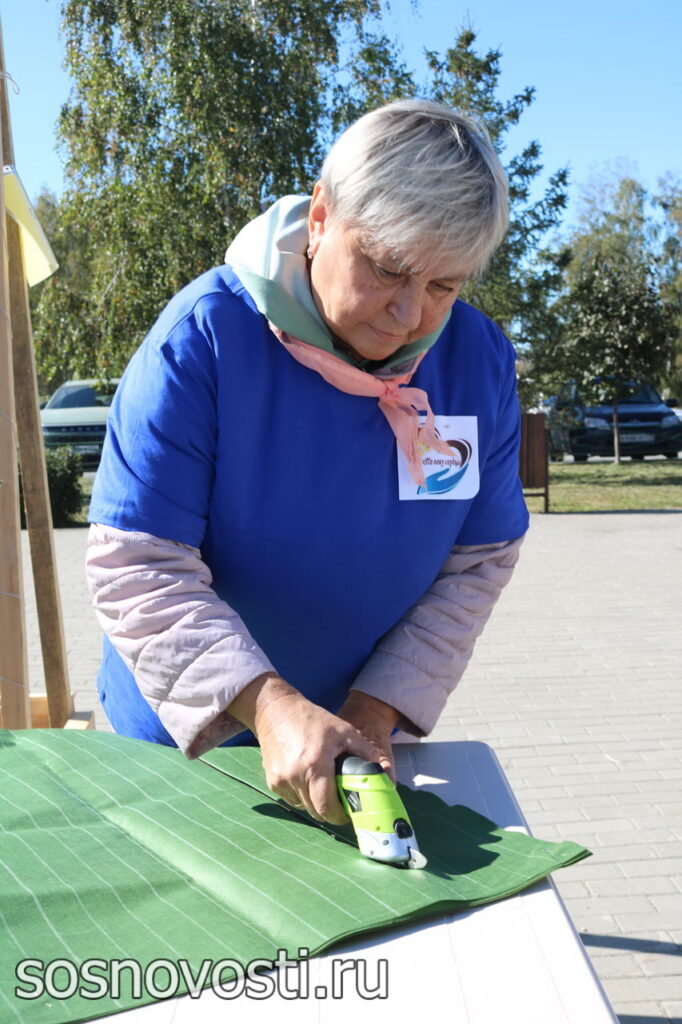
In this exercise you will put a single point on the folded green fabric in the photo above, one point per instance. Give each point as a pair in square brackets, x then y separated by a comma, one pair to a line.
[112, 848]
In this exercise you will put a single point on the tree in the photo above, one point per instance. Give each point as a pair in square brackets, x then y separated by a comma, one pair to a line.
[633, 236]
[516, 290]
[188, 117]
[65, 333]
[617, 329]
[518, 286]
[613, 223]
[668, 200]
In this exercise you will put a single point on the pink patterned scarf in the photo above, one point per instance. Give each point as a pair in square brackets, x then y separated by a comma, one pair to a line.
[400, 405]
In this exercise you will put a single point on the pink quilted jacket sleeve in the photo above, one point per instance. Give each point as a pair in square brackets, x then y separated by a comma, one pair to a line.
[191, 653]
[417, 664]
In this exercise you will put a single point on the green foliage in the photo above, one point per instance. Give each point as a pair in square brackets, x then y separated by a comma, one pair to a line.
[617, 328]
[188, 117]
[668, 200]
[522, 277]
[64, 482]
[633, 241]
[616, 324]
[613, 225]
[66, 329]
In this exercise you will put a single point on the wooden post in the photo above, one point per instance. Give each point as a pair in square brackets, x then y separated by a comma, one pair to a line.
[13, 660]
[32, 457]
[36, 491]
[19, 401]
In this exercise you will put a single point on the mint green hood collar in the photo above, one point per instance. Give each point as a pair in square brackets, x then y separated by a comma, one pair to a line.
[268, 256]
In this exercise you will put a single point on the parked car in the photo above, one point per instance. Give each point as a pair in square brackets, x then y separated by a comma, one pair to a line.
[646, 424]
[76, 416]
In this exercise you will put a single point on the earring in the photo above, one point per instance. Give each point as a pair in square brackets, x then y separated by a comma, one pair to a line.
[309, 253]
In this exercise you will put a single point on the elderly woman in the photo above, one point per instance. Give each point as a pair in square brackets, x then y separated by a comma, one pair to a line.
[308, 500]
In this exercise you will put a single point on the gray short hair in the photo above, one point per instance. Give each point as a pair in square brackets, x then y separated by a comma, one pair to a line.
[417, 176]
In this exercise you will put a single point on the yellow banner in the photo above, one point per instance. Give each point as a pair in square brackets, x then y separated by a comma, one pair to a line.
[39, 260]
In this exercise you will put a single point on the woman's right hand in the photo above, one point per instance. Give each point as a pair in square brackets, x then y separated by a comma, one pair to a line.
[299, 743]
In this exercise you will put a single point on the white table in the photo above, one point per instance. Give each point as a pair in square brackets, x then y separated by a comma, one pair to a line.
[517, 960]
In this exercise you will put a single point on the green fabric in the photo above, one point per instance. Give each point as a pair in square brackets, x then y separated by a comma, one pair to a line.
[112, 848]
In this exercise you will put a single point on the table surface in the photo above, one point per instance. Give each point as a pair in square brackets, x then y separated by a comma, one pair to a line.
[517, 960]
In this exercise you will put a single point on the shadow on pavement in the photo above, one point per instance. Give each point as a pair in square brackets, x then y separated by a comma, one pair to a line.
[647, 1018]
[634, 944]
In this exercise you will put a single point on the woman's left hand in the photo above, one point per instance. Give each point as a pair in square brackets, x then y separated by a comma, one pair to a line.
[375, 721]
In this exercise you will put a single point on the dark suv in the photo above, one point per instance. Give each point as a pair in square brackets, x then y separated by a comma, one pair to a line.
[646, 424]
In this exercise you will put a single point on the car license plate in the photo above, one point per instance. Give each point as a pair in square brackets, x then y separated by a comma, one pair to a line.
[637, 438]
[86, 449]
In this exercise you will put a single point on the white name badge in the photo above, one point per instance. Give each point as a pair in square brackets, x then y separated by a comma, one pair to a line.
[445, 479]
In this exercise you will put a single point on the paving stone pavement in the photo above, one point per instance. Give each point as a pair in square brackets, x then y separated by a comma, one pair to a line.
[576, 685]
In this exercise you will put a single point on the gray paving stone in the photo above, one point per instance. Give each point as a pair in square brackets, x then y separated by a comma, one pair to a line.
[622, 965]
[635, 904]
[623, 886]
[644, 1013]
[634, 808]
[620, 840]
[630, 989]
[655, 964]
[568, 814]
[637, 868]
[669, 903]
[664, 792]
[571, 888]
[672, 1011]
[631, 924]
[615, 787]
[596, 924]
[605, 834]
[597, 802]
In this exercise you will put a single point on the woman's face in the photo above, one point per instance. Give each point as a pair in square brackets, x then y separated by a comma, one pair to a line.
[364, 295]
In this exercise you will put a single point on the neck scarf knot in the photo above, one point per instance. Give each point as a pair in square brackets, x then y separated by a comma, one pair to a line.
[400, 405]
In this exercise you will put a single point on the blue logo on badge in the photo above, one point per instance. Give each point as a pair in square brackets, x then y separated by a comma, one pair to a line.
[444, 480]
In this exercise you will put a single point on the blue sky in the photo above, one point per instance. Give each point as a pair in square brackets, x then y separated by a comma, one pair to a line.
[607, 74]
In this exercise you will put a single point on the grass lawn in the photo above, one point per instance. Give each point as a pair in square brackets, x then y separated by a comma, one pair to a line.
[605, 487]
[580, 487]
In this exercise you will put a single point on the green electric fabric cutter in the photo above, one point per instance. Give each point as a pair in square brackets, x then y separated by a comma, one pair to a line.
[377, 813]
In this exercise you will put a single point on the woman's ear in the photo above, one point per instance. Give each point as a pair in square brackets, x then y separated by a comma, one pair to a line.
[317, 218]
